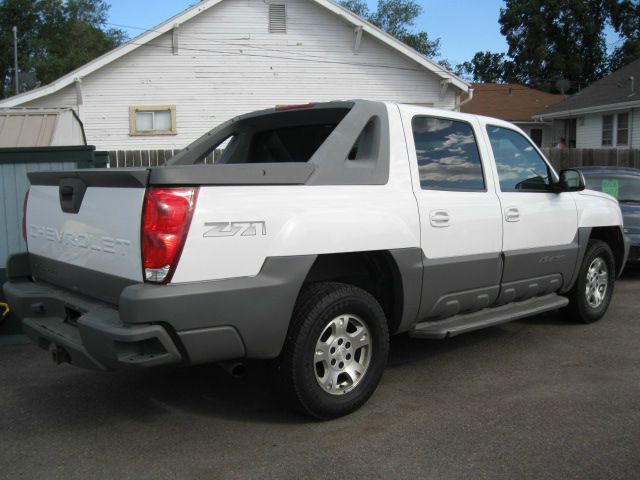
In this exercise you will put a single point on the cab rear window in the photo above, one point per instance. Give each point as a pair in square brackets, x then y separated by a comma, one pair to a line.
[280, 137]
[291, 144]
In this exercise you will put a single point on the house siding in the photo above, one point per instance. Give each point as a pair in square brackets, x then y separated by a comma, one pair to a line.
[589, 135]
[547, 132]
[229, 64]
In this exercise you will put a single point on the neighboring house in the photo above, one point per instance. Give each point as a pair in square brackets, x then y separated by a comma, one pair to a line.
[515, 103]
[221, 58]
[606, 114]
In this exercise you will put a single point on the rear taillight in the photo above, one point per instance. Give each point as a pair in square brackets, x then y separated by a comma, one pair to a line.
[24, 216]
[165, 223]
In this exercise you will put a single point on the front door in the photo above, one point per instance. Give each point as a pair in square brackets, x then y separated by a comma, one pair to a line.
[540, 243]
[460, 218]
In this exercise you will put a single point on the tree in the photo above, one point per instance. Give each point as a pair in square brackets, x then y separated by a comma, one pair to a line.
[549, 41]
[559, 40]
[625, 19]
[397, 18]
[55, 37]
[22, 14]
[359, 7]
[486, 67]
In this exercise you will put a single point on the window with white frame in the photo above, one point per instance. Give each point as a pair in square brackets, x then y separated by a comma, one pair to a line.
[622, 129]
[615, 130]
[607, 130]
[152, 120]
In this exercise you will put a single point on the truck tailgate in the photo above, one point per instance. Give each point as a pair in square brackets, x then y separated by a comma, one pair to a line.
[89, 222]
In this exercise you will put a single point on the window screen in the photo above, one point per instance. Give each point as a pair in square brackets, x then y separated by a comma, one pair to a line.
[607, 130]
[520, 167]
[447, 154]
[152, 120]
[622, 133]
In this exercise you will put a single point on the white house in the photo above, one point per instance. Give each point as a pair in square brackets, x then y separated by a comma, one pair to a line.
[606, 114]
[221, 58]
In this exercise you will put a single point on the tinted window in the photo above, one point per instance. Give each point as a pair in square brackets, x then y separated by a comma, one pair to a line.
[292, 144]
[520, 166]
[447, 154]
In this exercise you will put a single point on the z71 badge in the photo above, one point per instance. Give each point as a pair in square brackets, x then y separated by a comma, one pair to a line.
[230, 229]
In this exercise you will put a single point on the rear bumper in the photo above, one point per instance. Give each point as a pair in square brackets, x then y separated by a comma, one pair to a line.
[156, 325]
[97, 339]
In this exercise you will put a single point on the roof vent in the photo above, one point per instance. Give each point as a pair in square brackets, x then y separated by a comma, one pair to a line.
[277, 18]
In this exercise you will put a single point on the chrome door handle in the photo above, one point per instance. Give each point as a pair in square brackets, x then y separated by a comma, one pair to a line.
[439, 218]
[512, 214]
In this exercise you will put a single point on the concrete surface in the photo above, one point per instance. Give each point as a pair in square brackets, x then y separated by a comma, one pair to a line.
[539, 398]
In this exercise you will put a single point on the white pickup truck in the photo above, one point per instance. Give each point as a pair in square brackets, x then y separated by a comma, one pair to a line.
[321, 230]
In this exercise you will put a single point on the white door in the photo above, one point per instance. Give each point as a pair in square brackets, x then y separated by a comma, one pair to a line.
[460, 218]
[540, 226]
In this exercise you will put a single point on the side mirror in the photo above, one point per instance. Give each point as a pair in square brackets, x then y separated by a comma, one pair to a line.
[571, 181]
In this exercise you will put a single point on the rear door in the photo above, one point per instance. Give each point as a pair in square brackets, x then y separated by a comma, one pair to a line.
[460, 218]
[540, 226]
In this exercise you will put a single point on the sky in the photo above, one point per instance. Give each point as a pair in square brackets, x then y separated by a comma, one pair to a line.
[463, 26]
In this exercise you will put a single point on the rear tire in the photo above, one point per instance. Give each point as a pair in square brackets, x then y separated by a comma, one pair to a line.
[591, 295]
[336, 350]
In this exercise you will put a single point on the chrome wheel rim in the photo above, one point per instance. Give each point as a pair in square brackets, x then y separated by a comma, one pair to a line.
[342, 354]
[597, 282]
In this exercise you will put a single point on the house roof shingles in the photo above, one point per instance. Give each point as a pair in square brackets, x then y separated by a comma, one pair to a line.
[615, 88]
[508, 101]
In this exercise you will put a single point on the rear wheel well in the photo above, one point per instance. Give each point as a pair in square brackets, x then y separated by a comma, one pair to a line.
[612, 236]
[375, 272]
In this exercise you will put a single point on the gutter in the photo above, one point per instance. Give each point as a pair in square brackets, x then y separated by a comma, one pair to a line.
[587, 110]
[467, 100]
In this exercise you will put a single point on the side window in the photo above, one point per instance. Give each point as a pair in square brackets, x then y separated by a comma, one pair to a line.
[447, 152]
[520, 166]
[152, 120]
[607, 130]
[622, 132]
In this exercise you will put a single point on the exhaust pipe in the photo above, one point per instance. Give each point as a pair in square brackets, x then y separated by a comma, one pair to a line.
[59, 355]
[234, 368]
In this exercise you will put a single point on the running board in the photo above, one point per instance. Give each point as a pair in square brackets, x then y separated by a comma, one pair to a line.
[488, 317]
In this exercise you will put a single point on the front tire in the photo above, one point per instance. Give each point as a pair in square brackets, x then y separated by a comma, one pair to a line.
[591, 295]
[336, 350]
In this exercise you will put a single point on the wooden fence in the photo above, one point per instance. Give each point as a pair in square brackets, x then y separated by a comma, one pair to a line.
[584, 157]
[565, 158]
